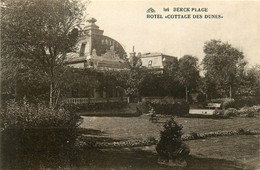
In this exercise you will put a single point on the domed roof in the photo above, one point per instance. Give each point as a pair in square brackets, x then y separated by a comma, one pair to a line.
[93, 36]
[94, 47]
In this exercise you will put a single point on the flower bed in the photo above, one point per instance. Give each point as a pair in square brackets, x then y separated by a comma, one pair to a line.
[153, 141]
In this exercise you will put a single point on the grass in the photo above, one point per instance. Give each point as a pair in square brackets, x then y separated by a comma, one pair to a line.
[139, 159]
[226, 152]
[141, 128]
[241, 148]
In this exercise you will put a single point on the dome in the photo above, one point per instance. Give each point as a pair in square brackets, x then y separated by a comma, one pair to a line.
[92, 38]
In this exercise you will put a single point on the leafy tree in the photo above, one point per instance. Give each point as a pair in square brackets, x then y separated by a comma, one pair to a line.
[170, 81]
[37, 34]
[188, 73]
[249, 82]
[223, 64]
[133, 77]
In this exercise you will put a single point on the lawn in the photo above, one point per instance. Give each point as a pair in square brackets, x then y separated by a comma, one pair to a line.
[238, 151]
[243, 149]
[141, 128]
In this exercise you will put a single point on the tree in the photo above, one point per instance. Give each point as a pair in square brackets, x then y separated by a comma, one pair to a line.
[188, 73]
[249, 82]
[135, 76]
[223, 64]
[37, 34]
[170, 79]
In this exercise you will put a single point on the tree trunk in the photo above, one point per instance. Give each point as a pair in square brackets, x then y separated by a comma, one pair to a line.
[230, 92]
[57, 98]
[51, 94]
[186, 91]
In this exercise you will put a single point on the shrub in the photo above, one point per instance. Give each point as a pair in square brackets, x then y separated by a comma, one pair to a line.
[218, 112]
[225, 102]
[170, 144]
[231, 112]
[241, 131]
[228, 103]
[171, 106]
[241, 102]
[250, 111]
[95, 106]
[37, 130]
[194, 135]
[236, 103]
[70, 107]
[143, 107]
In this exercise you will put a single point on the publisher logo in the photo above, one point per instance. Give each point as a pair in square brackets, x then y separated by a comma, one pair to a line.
[150, 10]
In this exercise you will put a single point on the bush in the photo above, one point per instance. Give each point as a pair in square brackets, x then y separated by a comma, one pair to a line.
[194, 135]
[218, 112]
[170, 145]
[241, 102]
[231, 112]
[235, 103]
[246, 101]
[143, 107]
[225, 102]
[36, 131]
[250, 111]
[171, 106]
[95, 106]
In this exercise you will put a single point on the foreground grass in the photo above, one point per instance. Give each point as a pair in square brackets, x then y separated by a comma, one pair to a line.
[225, 152]
[243, 149]
[238, 151]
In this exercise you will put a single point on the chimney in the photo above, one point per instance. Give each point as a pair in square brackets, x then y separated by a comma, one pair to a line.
[132, 55]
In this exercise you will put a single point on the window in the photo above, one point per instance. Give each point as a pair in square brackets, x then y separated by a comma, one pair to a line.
[82, 49]
[150, 63]
[139, 62]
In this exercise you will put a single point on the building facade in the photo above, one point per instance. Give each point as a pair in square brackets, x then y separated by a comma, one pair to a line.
[96, 50]
[155, 60]
[100, 52]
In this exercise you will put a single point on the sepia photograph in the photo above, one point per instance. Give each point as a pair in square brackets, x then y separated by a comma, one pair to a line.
[129, 84]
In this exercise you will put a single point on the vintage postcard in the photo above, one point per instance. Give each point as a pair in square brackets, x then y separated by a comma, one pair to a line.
[113, 84]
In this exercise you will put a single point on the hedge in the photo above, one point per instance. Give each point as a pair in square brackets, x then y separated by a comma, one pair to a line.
[143, 107]
[95, 106]
[171, 106]
[36, 132]
[236, 103]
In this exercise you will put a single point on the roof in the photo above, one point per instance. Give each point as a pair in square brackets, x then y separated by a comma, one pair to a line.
[96, 58]
[154, 54]
[72, 60]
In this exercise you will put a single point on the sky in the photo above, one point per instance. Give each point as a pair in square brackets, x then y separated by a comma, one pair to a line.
[126, 21]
